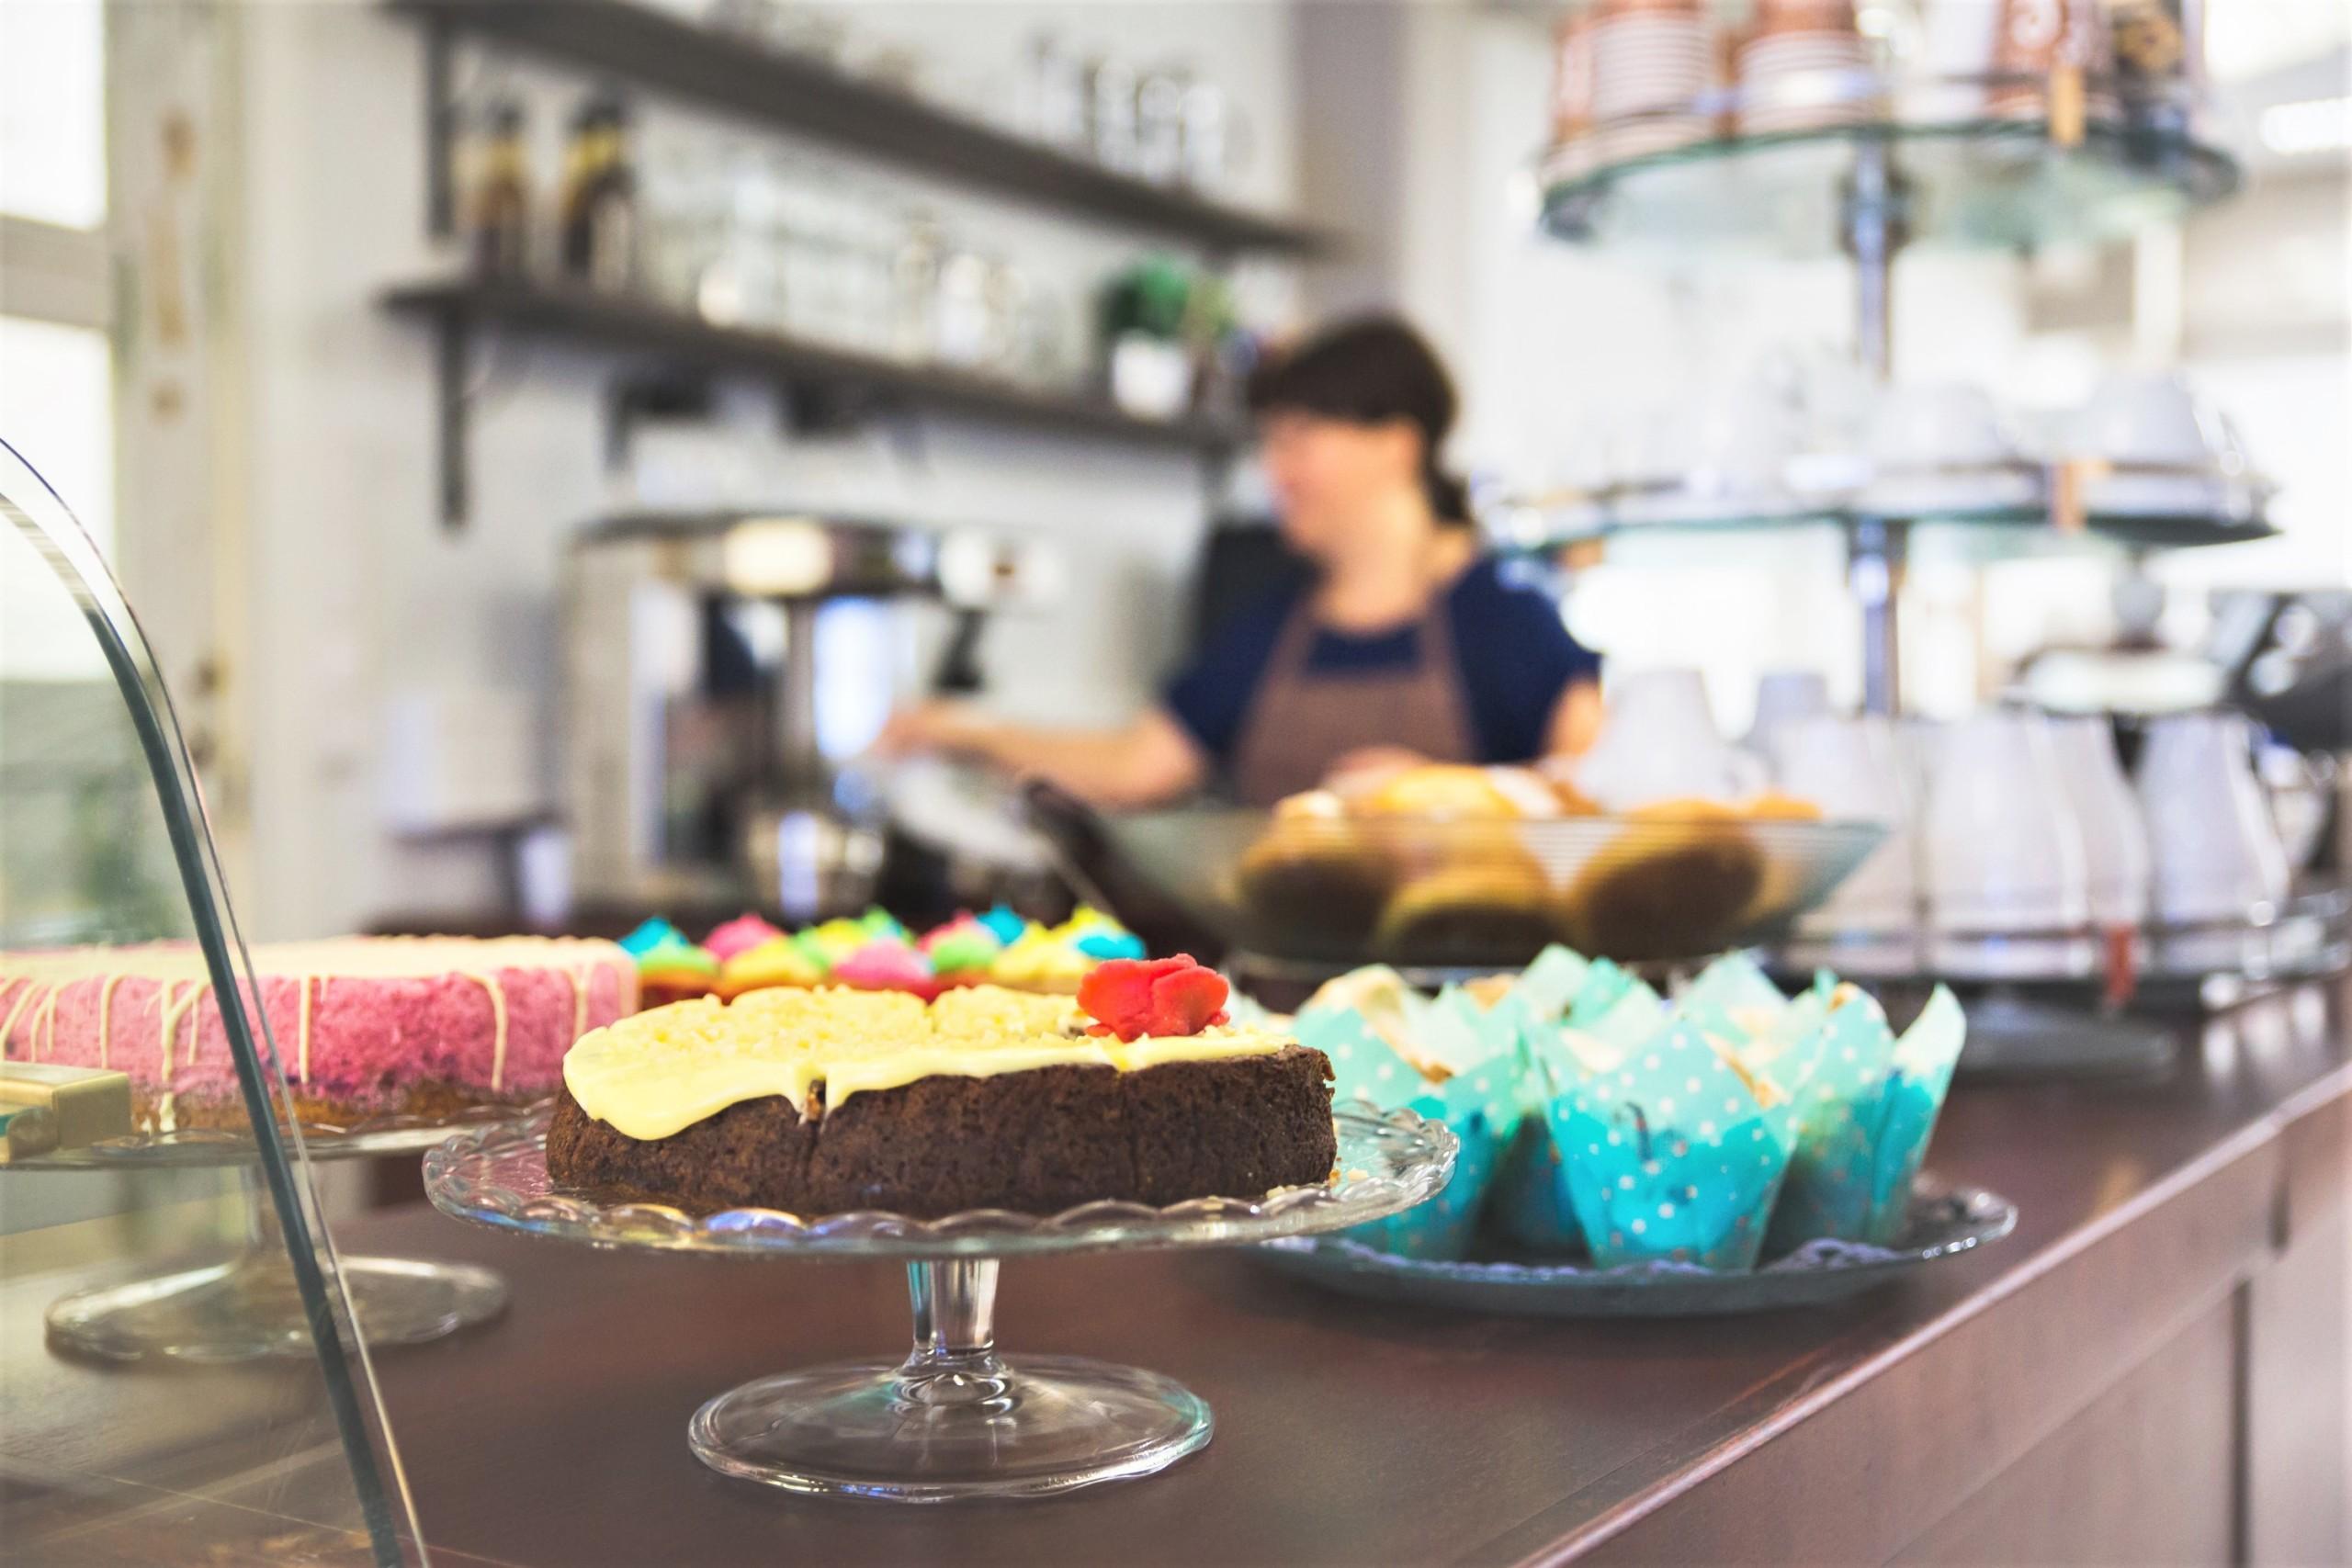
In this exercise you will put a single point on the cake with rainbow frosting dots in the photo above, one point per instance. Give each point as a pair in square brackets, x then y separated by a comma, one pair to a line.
[875, 952]
[823, 1101]
[365, 1027]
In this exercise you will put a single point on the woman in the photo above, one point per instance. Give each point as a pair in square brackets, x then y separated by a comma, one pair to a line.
[1408, 645]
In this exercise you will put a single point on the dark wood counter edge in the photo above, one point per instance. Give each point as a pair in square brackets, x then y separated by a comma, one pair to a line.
[1550, 1536]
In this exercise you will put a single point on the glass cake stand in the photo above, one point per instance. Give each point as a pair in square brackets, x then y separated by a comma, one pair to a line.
[249, 1304]
[954, 1419]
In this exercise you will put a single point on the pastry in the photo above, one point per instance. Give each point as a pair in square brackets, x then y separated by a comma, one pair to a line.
[1455, 790]
[1468, 912]
[1666, 889]
[820, 1102]
[1317, 879]
[365, 1027]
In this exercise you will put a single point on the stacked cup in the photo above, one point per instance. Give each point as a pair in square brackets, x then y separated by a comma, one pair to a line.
[2037, 41]
[1572, 95]
[1804, 66]
[1651, 61]
[2006, 874]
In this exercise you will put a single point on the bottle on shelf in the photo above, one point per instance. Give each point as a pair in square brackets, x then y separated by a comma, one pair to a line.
[498, 199]
[599, 217]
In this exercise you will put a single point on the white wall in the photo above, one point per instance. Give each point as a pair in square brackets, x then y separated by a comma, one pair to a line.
[359, 595]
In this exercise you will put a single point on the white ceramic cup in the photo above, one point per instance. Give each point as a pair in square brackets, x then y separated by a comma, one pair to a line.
[2149, 417]
[1956, 40]
[2000, 848]
[1935, 425]
[1939, 448]
[2217, 855]
[1659, 742]
[1852, 770]
[2106, 814]
[1783, 696]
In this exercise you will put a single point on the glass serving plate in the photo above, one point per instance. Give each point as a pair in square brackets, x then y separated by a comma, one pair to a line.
[1450, 893]
[1944, 1222]
[954, 1419]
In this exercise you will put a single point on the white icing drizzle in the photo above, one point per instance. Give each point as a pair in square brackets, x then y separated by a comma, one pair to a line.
[10, 1026]
[106, 1013]
[46, 1015]
[580, 979]
[164, 1017]
[302, 1034]
[498, 1028]
[193, 1010]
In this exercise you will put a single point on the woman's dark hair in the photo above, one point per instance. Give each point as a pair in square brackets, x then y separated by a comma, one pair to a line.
[1371, 370]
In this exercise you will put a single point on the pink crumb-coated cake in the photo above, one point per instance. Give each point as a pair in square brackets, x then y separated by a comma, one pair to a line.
[365, 1027]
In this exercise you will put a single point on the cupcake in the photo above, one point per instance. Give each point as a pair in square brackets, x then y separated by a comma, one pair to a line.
[779, 961]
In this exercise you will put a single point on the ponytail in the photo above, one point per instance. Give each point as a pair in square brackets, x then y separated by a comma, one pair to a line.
[1449, 497]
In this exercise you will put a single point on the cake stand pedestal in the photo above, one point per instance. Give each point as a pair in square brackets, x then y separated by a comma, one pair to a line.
[954, 1419]
[249, 1304]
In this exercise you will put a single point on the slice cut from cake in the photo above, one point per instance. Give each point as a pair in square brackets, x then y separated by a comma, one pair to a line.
[829, 1100]
[365, 1027]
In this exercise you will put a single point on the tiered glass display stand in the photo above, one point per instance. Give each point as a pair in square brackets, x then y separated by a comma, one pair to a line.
[2064, 170]
[2075, 159]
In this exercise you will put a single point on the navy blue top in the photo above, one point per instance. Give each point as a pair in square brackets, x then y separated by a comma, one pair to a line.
[1514, 657]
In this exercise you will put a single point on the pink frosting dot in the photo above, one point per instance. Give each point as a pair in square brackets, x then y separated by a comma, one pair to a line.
[741, 934]
[884, 965]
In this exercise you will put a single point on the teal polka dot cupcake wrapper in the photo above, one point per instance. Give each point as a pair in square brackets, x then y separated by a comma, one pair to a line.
[1864, 1120]
[1673, 1156]
[1593, 1115]
[1443, 1228]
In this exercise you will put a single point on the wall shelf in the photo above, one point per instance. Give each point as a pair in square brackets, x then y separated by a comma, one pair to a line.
[457, 309]
[713, 70]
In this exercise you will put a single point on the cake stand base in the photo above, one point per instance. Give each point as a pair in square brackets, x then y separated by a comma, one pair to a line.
[954, 1420]
[249, 1307]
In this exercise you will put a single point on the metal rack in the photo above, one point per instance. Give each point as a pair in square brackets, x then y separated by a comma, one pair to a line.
[1870, 190]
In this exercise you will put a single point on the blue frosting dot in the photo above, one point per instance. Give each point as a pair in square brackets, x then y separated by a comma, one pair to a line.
[655, 933]
[1004, 925]
[1105, 945]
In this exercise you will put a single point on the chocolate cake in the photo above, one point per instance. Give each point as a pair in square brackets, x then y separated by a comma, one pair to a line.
[835, 1101]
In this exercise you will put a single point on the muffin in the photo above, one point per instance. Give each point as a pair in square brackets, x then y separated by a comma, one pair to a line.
[1676, 885]
[1474, 912]
[1314, 873]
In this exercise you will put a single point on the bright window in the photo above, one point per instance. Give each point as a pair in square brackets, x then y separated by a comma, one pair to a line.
[56, 408]
[52, 112]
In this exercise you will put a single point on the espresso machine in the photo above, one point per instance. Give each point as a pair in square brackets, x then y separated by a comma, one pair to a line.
[722, 673]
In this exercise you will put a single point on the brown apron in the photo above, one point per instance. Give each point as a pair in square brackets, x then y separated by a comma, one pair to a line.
[1300, 723]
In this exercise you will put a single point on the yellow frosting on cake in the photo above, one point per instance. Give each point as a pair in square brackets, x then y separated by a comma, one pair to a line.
[659, 1072]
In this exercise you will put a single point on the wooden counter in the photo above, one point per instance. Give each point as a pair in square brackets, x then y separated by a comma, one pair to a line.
[2154, 1368]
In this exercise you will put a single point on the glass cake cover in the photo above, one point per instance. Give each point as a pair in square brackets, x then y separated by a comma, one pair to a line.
[269, 1436]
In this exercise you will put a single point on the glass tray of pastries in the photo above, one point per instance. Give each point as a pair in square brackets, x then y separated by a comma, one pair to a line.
[1453, 866]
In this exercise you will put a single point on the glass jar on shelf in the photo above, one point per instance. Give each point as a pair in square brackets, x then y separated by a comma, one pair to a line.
[498, 194]
[915, 270]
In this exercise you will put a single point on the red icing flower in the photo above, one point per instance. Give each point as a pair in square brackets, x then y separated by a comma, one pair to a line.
[1134, 996]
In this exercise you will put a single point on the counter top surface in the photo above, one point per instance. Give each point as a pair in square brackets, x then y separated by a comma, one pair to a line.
[1349, 1432]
